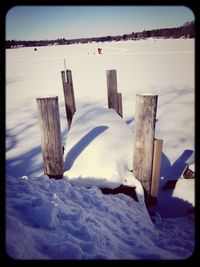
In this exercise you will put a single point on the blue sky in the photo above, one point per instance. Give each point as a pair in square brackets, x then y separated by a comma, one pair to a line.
[52, 22]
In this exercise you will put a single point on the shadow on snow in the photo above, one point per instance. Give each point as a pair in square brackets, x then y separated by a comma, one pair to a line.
[167, 205]
[78, 148]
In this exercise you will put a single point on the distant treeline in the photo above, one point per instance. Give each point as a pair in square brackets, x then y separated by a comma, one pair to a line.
[185, 31]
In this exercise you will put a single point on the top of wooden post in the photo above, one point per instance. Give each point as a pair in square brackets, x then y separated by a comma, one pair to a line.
[146, 94]
[67, 76]
[108, 71]
[47, 97]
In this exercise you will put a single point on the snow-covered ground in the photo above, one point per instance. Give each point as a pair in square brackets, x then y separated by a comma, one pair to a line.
[64, 219]
[49, 219]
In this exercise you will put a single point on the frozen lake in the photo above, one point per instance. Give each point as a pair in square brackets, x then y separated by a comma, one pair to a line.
[163, 67]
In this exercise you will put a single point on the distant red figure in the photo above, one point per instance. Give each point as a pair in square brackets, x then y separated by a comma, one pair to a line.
[100, 51]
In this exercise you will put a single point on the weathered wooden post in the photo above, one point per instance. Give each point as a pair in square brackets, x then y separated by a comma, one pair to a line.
[112, 89]
[49, 121]
[68, 90]
[157, 154]
[143, 144]
[120, 111]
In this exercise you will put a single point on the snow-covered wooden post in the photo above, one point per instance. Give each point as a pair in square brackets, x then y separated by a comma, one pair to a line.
[112, 89]
[143, 144]
[68, 90]
[157, 154]
[49, 121]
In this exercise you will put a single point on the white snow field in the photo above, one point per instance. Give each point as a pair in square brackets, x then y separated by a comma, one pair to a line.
[71, 218]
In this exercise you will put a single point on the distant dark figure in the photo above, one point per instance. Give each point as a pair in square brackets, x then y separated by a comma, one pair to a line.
[100, 51]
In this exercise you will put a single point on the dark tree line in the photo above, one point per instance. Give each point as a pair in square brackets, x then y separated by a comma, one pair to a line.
[185, 31]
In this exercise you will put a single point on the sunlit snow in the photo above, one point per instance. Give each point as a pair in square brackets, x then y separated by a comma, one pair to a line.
[71, 218]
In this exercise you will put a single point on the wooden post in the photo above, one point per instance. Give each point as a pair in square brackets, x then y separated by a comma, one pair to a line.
[68, 90]
[49, 121]
[156, 169]
[144, 135]
[120, 110]
[112, 89]
[65, 70]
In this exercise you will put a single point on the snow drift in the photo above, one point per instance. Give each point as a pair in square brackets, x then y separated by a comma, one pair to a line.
[99, 149]
[53, 219]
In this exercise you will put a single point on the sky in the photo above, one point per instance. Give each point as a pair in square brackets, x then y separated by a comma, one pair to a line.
[69, 22]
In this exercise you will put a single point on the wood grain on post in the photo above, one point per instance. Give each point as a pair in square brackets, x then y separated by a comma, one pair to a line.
[68, 90]
[49, 121]
[144, 135]
[112, 89]
[120, 110]
[156, 167]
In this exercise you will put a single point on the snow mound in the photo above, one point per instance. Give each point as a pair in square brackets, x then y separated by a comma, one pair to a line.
[99, 149]
[53, 219]
[185, 190]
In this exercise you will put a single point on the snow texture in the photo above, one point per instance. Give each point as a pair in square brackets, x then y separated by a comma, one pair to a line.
[99, 150]
[49, 219]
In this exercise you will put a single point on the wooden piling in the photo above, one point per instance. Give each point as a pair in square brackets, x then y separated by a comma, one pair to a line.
[68, 90]
[112, 89]
[157, 154]
[49, 121]
[143, 144]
